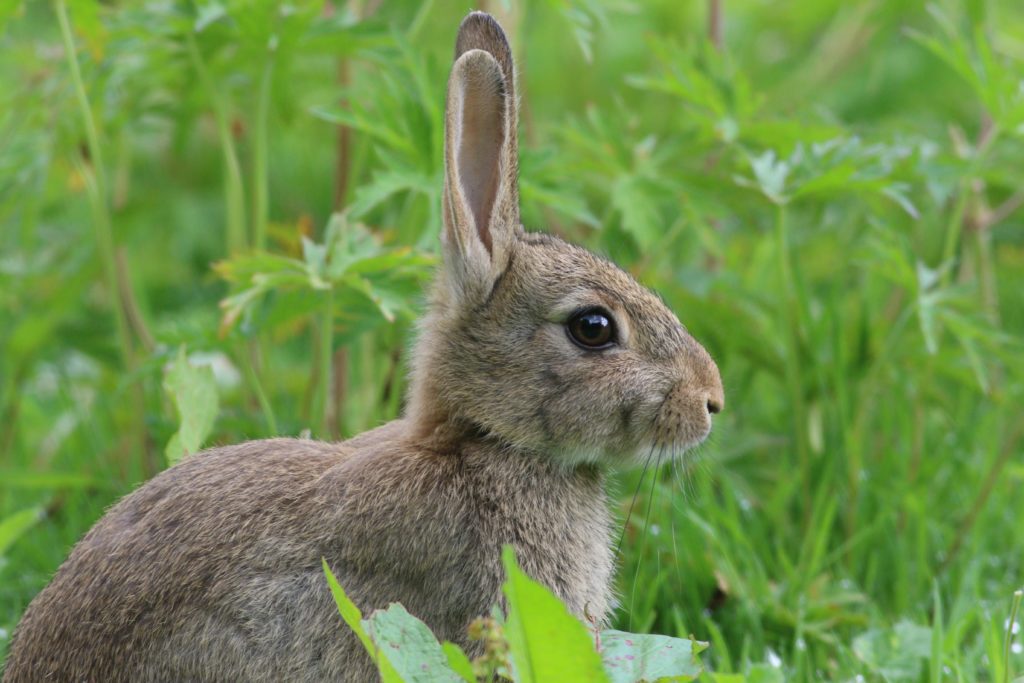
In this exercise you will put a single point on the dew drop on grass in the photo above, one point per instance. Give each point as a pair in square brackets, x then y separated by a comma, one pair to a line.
[774, 659]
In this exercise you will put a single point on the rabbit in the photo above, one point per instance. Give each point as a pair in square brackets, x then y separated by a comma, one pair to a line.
[537, 367]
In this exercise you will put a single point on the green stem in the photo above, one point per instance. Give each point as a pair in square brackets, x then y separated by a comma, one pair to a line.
[420, 19]
[323, 395]
[261, 201]
[954, 227]
[95, 177]
[794, 374]
[253, 378]
[1017, 595]
[956, 219]
[234, 193]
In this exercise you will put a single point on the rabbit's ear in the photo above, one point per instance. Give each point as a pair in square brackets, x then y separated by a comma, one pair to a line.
[481, 198]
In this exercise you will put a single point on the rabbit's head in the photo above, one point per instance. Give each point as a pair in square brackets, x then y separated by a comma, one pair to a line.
[529, 339]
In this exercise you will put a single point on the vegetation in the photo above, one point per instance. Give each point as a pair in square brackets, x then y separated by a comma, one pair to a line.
[828, 193]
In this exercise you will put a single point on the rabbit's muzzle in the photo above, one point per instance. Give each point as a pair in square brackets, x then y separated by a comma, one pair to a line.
[684, 419]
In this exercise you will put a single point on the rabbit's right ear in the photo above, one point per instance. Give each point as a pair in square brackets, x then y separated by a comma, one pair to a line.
[481, 198]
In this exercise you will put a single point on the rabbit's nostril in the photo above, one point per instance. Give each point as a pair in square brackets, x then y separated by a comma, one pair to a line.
[714, 406]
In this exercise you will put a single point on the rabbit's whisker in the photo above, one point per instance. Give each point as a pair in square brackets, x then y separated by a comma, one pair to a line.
[632, 502]
[647, 519]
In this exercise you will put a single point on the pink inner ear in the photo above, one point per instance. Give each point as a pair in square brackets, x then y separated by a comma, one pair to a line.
[481, 137]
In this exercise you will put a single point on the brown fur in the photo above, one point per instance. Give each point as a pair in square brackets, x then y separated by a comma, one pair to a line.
[211, 570]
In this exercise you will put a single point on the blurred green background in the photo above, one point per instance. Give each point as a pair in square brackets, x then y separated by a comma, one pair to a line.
[829, 194]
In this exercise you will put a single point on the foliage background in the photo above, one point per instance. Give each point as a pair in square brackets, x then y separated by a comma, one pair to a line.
[828, 193]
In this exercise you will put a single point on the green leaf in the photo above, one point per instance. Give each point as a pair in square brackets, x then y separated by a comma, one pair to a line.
[388, 183]
[8, 11]
[632, 657]
[770, 174]
[545, 641]
[632, 196]
[14, 526]
[22, 479]
[409, 646]
[458, 661]
[764, 673]
[348, 610]
[354, 618]
[194, 393]
[897, 653]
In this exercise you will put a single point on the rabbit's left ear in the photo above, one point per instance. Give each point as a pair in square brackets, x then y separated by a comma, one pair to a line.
[481, 194]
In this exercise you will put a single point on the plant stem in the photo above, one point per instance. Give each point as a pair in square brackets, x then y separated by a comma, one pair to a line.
[261, 201]
[1017, 595]
[794, 374]
[715, 23]
[95, 177]
[253, 378]
[234, 193]
[988, 135]
[323, 394]
[991, 479]
[426, 7]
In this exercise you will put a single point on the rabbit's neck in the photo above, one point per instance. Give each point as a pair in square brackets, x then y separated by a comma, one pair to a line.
[555, 515]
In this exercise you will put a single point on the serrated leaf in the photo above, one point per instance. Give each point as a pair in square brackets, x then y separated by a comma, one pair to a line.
[386, 184]
[194, 393]
[770, 174]
[634, 201]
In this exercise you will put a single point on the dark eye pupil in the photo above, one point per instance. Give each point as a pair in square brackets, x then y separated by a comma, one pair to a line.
[591, 329]
[593, 326]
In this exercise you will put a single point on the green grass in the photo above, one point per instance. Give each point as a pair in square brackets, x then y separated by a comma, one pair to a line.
[830, 200]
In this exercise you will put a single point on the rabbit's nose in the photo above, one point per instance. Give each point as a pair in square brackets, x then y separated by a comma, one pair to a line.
[716, 400]
[711, 379]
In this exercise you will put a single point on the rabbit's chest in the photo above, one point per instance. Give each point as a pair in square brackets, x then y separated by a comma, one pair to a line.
[561, 532]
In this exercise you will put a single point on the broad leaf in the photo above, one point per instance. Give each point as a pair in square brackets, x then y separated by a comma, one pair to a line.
[194, 393]
[354, 618]
[409, 646]
[546, 642]
[630, 657]
[897, 654]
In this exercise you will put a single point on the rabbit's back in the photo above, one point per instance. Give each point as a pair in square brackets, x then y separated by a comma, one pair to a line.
[162, 582]
[212, 570]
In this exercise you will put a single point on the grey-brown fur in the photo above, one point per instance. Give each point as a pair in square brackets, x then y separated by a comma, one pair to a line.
[211, 571]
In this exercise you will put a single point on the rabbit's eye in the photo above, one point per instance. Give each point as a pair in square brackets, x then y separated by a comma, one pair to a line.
[592, 329]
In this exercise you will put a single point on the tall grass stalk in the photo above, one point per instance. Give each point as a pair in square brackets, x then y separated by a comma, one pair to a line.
[325, 352]
[1007, 645]
[94, 174]
[261, 201]
[958, 216]
[245, 353]
[234, 192]
[794, 373]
